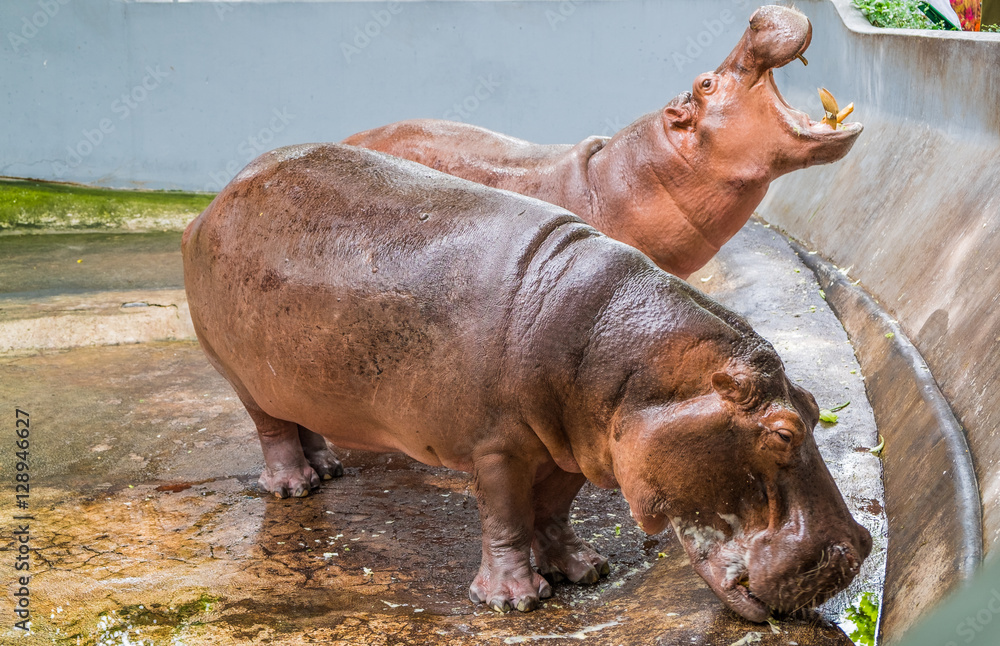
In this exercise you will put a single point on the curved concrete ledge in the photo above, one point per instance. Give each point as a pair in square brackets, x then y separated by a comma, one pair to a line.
[99, 318]
[931, 491]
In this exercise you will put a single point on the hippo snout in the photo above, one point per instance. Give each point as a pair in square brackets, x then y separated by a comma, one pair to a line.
[816, 580]
[837, 567]
[776, 36]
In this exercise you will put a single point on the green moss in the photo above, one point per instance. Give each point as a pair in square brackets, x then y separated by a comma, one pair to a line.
[174, 616]
[154, 624]
[29, 205]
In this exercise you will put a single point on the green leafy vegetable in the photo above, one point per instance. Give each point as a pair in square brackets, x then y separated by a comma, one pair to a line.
[864, 615]
[829, 415]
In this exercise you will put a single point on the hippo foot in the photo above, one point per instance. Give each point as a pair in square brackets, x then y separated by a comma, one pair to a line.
[294, 481]
[504, 591]
[561, 554]
[324, 463]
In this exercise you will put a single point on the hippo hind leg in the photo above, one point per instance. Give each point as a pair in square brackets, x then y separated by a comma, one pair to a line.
[319, 455]
[286, 445]
[286, 470]
[559, 552]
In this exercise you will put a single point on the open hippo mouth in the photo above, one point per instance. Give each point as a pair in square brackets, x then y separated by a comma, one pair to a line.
[777, 36]
[830, 126]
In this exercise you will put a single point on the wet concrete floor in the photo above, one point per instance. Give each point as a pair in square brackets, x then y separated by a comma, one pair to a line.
[146, 525]
[61, 263]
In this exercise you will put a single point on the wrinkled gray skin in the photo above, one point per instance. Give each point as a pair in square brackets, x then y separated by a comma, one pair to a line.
[381, 305]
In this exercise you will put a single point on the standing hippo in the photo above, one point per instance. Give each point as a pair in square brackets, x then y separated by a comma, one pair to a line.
[676, 184]
[371, 301]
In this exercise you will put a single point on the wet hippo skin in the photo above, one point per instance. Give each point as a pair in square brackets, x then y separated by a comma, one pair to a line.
[677, 183]
[371, 301]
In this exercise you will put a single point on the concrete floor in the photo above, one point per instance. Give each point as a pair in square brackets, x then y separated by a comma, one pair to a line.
[147, 526]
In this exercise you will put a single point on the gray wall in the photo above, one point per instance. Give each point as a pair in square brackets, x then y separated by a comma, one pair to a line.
[182, 95]
[913, 213]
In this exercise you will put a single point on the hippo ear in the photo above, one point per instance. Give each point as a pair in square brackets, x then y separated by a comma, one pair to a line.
[679, 116]
[728, 386]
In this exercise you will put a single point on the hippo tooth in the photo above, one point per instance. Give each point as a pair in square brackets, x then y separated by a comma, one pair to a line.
[846, 111]
[802, 58]
[834, 115]
[829, 103]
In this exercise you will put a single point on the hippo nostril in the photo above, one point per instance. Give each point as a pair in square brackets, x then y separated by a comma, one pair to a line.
[849, 558]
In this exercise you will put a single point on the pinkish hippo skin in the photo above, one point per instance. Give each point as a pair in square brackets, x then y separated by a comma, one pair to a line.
[389, 307]
[676, 184]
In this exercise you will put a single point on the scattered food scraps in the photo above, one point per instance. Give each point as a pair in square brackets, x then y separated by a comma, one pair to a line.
[750, 638]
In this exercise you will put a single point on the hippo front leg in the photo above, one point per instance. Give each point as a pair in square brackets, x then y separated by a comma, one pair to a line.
[502, 483]
[559, 552]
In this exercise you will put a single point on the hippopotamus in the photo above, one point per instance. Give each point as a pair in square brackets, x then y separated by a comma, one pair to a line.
[354, 297]
[677, 183]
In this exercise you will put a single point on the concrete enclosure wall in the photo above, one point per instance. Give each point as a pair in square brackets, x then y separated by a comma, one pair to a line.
[182, 95]
[913, 214]
[914, 211]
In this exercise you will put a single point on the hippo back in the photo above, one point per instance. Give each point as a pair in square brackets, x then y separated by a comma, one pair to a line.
[353, 292]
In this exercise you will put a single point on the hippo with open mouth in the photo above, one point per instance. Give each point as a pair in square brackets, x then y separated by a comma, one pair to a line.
[676, 184]
[363, 299]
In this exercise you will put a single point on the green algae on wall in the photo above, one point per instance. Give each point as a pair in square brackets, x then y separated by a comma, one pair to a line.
[27, 205]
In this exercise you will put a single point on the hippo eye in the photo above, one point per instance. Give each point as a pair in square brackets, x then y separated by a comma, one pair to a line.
[706, 84]
[786, 436]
